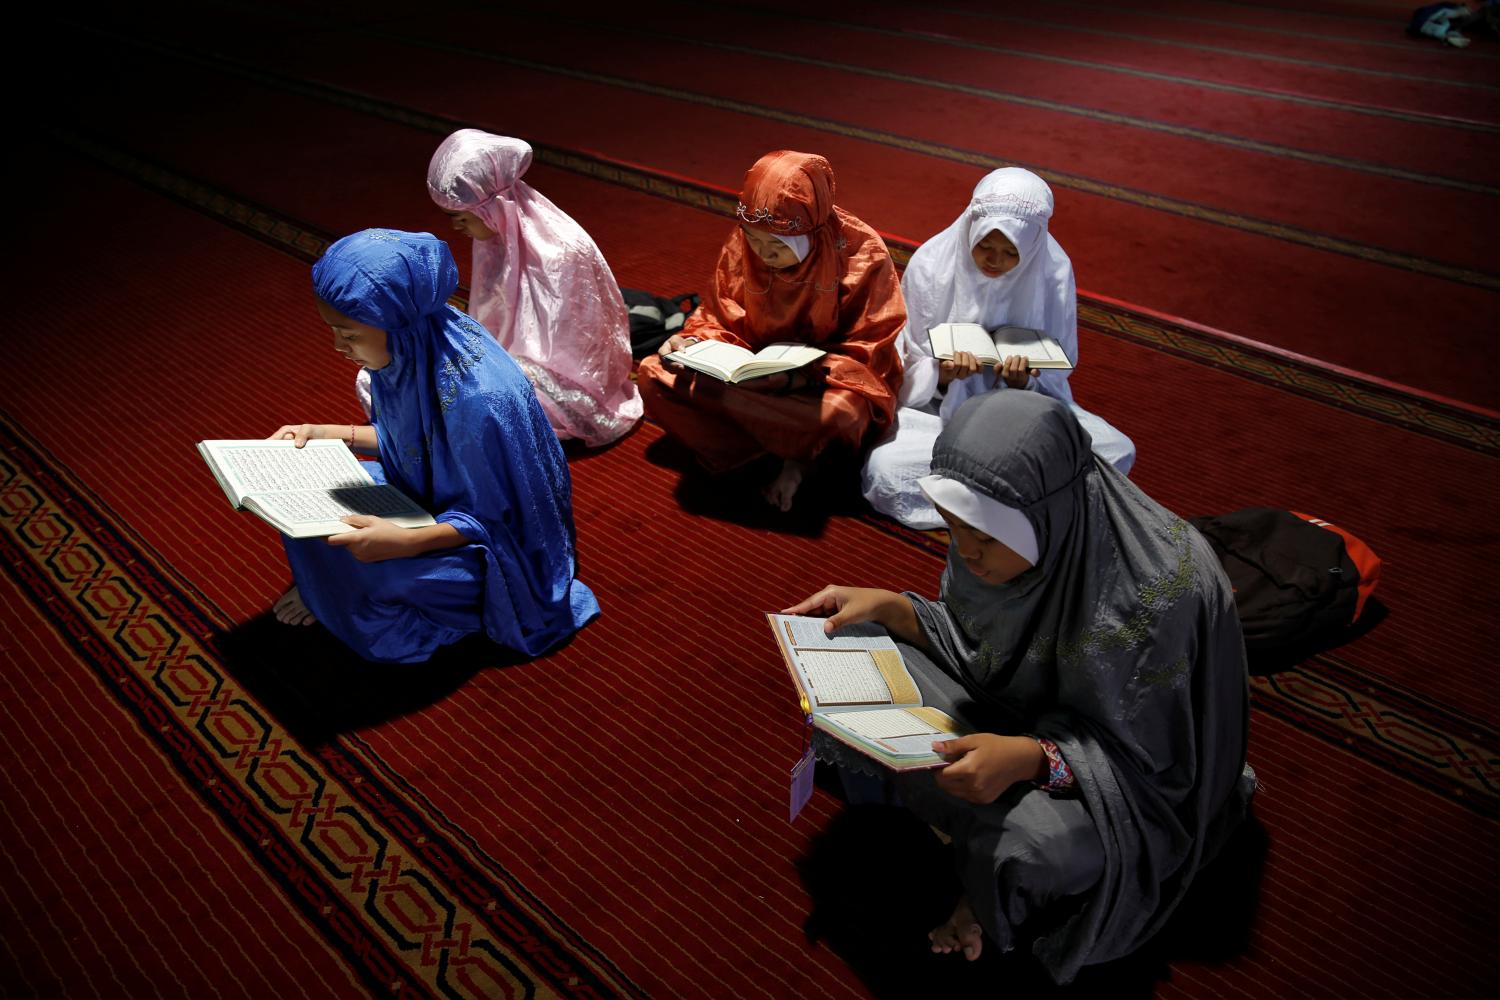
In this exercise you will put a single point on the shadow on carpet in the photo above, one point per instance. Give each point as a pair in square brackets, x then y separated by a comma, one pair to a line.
[317, 688]
[831, 489]
[879, 927]
[1271, 661]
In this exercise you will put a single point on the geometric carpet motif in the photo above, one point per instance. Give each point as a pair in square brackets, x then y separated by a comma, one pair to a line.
[412, 910]
[1456, 756]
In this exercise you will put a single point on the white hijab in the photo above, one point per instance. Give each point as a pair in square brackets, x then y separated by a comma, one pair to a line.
[942, 284]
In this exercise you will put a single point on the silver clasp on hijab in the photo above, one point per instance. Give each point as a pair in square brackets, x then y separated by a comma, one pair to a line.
[763, 215]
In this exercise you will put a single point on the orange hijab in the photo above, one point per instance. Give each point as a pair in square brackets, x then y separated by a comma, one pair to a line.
[844, 296]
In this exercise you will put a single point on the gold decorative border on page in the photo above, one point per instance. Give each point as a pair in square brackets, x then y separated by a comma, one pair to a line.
[938, 720]
[897, 679]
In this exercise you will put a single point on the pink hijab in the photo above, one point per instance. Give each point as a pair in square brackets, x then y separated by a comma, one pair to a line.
[541, 287]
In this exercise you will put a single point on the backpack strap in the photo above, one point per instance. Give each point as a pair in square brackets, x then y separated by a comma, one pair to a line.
[1366, 562]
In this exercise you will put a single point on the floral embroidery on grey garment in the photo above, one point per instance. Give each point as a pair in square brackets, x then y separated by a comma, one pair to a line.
[1156, 597]
[1173, 673]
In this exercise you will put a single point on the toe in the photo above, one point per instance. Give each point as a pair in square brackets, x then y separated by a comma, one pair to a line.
[943, 939]
[971, 939]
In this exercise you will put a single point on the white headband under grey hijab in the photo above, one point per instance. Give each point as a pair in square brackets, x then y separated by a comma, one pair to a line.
[1006, 525]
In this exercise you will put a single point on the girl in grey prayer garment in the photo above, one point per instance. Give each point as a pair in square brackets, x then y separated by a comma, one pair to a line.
[1089, 636]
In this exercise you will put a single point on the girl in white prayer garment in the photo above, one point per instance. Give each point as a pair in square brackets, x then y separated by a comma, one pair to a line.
[996, 265]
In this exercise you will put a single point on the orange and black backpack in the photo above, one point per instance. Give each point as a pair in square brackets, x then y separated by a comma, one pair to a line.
[1299, 581]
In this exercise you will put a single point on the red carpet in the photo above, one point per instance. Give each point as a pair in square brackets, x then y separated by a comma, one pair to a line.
[1193, 228]
[199, 803]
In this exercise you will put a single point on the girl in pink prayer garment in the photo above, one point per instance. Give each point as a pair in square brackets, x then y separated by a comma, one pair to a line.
[540, 286]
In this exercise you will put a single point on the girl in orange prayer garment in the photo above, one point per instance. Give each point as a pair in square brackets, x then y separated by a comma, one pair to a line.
[798, 268]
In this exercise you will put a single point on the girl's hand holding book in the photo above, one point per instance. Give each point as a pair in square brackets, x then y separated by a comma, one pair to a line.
[375, 539]
[1015, 372]
[300, 434]
[674, 343]
[984, 765]
[845, 606]
[356, 436]
[959, 368]
[851, 605]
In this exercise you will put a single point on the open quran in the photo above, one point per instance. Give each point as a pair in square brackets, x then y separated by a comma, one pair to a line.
[991, 347]
[732, 363]
[303, 492]
[855, 687]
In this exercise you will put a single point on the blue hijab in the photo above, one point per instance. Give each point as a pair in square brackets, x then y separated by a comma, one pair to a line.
[461, 431]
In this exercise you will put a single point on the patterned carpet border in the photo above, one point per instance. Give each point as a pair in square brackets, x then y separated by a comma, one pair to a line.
[1470, 428]
[1429, 747]
[224, 63]
[1388, 404]
[1096, 114]
[409, 912]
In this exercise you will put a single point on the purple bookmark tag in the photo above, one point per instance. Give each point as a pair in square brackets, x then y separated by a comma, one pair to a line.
[802, 772]
[802, 783]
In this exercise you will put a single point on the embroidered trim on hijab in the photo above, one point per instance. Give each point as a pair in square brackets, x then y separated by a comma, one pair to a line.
[1001, 213]
[1006, 525]
[799, 245]
[765, 217]
[1031, 206]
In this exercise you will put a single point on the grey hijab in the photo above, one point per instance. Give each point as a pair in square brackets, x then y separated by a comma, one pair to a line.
[1121, 644]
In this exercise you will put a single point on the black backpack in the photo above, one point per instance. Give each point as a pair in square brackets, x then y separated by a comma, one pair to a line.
[653, 319]
[1299, 582]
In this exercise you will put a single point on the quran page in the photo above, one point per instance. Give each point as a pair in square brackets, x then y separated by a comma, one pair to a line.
[808, 633]
[897, 732]
[843, 677]
[715, 354]
[304, 492]
[291, 510]
[949, 338]
[1040, 350]
[246, 467]
[886, 724]
[734, 364]
[860, 665]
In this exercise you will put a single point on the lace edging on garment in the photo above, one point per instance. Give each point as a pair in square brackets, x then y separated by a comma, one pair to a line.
[579, 407]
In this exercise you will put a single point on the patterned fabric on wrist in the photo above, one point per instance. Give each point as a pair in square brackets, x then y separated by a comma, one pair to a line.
[1059, 775]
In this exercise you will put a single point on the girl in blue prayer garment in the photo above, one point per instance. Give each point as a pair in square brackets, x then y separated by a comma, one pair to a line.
[457, 427]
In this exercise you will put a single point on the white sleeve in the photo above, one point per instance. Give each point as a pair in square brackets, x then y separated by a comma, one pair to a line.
[1062, 326]
[920, 382]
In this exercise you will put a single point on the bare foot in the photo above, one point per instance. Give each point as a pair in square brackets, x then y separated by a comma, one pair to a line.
[960, 933]
[290, 610]
[783, 489]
